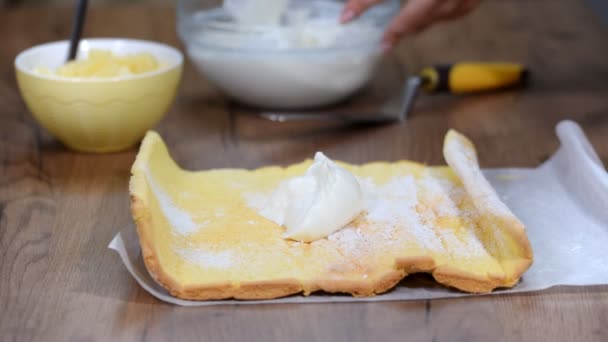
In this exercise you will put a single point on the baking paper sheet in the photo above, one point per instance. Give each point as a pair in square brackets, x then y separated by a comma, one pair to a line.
[563, 203]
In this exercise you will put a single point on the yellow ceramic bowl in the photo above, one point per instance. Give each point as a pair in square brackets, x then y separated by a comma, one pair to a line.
[98, 114]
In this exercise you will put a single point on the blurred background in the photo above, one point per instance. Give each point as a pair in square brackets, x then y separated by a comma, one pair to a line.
[70, 2]
[601, 6]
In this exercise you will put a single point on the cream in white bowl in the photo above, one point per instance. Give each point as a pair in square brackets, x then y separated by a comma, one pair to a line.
[307, 60]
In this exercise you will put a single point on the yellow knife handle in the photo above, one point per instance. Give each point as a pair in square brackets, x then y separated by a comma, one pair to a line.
[462, 78]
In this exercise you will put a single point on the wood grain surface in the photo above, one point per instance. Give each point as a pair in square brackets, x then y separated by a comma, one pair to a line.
[59, 209]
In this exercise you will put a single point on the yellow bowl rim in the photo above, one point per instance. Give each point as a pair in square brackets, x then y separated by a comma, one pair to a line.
[173, 64]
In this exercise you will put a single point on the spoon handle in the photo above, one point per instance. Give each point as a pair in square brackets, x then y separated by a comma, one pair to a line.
[78, 24]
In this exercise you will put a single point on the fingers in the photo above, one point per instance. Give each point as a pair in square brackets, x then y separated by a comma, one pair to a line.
[354, 8]
[412, 18]
[417, 15]
[462, 8]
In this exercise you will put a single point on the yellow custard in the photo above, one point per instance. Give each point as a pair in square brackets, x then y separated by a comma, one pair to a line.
[104, 63]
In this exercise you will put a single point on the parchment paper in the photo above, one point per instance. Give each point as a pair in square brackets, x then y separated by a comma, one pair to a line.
[563, 203]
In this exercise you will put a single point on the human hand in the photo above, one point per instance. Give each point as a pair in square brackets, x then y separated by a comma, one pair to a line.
[415, 16]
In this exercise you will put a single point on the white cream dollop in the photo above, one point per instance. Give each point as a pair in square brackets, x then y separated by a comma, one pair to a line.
[326, 198]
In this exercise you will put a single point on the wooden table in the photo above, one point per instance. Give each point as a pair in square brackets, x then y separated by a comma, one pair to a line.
[59, 209]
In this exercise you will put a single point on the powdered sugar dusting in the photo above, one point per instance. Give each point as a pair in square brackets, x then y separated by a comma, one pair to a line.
[181, 222]
[267, 206]
[351, 241]
[219, 260]
[438, 191]
[256, 200]
[442, 196]
[394, 204]
[462, 159]
[402, 209]
[468, 246]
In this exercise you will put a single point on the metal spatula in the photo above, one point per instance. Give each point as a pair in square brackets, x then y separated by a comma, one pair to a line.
[460, 78]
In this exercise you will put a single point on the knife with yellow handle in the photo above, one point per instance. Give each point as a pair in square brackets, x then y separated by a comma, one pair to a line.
[472, 77]
[462, 78]
[458, 78]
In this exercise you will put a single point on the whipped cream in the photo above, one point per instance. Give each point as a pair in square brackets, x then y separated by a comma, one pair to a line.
[256, 12]
[323, 200]
[283, 54]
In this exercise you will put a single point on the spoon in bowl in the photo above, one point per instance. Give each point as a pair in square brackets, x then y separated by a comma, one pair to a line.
[77, 25]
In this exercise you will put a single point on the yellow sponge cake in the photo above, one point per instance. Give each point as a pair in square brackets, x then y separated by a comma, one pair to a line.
[202, 235]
